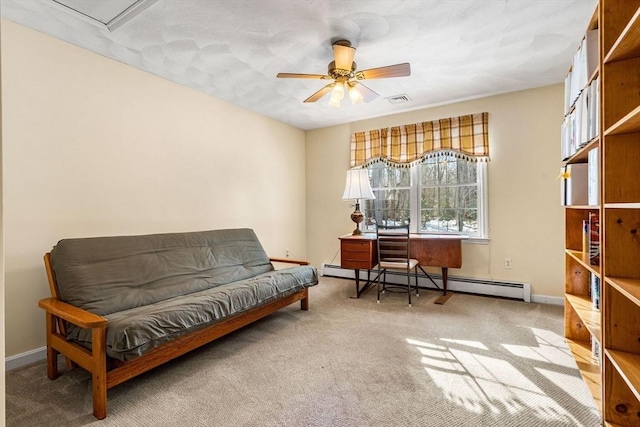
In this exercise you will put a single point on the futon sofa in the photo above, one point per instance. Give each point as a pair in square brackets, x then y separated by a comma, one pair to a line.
[123, 305]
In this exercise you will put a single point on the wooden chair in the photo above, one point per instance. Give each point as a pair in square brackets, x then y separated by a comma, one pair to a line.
[394, 254]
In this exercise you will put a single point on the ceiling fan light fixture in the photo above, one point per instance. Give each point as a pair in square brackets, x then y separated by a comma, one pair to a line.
[337, 94]
[355, 95]
[334, 101]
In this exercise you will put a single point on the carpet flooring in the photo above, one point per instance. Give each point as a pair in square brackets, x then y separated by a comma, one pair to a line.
[474, 361]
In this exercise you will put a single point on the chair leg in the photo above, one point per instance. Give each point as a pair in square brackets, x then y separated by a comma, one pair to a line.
[384, 280]
[379, 273]
[409, 286]
[415, 270]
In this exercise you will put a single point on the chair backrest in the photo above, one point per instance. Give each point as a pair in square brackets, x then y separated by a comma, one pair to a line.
[393, 242]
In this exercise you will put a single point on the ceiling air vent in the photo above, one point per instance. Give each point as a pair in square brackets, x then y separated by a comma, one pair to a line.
[398, 99]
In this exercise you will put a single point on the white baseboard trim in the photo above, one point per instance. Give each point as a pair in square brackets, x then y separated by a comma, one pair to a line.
[496, 288]
[24, 359]
[546, 299]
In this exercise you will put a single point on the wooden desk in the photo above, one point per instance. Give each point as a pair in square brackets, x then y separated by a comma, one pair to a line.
[361, 253]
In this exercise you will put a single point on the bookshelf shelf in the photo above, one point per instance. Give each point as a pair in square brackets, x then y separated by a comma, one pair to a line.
[583, 259]
[627, 45]
[590, 318]
[589, 370]
[628, 366]
[588, 207]
[581, 155]
[630, 288]
[628, 124]
[622, 205]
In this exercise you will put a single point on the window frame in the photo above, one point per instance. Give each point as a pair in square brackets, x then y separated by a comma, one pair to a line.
[481, 236]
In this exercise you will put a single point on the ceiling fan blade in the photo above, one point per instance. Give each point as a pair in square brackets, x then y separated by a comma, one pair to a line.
[319, 94]
[368, 95]
[398, 70]
[301, 76]
[343, 56]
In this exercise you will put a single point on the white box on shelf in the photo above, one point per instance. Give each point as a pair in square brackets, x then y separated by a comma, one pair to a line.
[574, 184]
[591, 53]
[593, 185]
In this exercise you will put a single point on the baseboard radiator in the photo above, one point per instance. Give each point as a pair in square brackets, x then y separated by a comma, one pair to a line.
[496, 288]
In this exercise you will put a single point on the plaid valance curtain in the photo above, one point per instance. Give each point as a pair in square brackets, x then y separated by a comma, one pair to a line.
[402, 146]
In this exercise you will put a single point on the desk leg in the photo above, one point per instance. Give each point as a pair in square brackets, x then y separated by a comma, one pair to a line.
[366, 286]
[445, 274]
[357, 284]
[445, 295]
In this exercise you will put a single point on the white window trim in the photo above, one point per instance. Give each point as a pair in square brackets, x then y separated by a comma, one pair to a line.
[483, 212]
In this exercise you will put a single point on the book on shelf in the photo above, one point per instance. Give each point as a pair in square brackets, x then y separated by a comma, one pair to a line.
[596, 351]
[581, 125]
[585, 236]
[594, 238]
[581, 100]
[594, 287]
[593, 186]
[584, 64]
[574, 184]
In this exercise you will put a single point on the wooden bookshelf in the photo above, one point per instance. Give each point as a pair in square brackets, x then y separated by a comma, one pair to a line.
[615, 381]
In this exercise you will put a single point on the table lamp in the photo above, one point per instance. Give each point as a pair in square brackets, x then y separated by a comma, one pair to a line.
[357, 188]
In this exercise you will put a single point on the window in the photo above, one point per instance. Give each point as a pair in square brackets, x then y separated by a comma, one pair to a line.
[444, 195]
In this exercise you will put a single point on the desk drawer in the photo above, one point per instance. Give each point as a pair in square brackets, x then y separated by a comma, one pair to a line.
[357, 254]
[356, 265]
[356, 246]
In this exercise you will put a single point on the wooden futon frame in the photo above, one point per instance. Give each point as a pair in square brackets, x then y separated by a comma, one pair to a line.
[107, 372]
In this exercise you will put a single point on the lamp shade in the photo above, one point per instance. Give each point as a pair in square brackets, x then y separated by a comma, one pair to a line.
[357, 185]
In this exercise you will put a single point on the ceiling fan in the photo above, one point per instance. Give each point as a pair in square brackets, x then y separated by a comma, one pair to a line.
[342, 70]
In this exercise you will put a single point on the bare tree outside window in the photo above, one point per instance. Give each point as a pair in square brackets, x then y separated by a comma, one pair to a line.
[446, 194]
[392, 205]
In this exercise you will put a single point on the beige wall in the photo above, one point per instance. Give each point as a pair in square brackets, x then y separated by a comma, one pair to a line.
[2, 321]
[525, 216]
[95, 147]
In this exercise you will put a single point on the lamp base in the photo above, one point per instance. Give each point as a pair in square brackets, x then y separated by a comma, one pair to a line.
[357, 217]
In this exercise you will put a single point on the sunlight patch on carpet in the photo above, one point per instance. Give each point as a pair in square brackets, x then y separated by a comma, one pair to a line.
[479, 383]
[551, 348]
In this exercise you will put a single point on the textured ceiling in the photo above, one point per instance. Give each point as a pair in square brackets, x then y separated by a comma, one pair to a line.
[233, 50]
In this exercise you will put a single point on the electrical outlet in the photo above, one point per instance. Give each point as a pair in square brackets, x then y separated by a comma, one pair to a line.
[507, 263]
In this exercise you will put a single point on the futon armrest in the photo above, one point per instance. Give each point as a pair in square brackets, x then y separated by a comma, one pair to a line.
[289, 260]
[70, 313]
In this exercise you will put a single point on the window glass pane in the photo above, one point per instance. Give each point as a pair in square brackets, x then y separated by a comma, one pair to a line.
[468, 197]
[399, 177]
[449, 171]
[429, 198]
[382, 176]
[390, 207]
[467, 172]
[469, 219]
[429, 172]
[448, 220]
[447, 198]
[429, 220]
